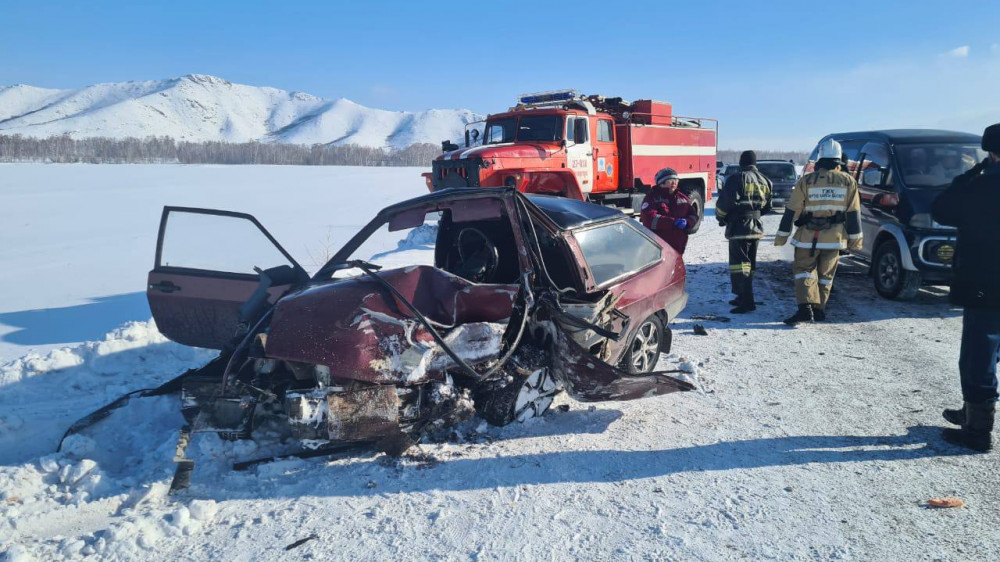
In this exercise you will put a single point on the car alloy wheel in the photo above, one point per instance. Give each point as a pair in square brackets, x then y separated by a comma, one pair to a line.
[645, 349]
[535, 395]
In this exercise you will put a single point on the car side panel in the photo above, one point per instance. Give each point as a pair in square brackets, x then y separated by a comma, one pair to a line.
[200, 310]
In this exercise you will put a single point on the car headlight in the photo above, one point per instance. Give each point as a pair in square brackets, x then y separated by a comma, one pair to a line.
[922, 220]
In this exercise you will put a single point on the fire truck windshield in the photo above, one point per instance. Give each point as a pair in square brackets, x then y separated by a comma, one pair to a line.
[527, 128]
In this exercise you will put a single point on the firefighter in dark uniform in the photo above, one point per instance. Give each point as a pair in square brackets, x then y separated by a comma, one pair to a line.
[745, 196]
[972, 204]
[668, 212]
[826, 208]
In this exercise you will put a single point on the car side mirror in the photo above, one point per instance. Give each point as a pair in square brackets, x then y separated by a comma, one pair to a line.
[872, 178]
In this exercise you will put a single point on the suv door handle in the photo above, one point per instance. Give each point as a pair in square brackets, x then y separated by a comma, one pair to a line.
[165, 286]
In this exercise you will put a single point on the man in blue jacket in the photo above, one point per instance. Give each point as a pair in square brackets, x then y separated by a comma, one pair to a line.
[972, 204]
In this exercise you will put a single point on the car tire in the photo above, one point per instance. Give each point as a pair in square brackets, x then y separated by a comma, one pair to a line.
[525, 397]
[892, 281]
[698, 204]
[644, 347]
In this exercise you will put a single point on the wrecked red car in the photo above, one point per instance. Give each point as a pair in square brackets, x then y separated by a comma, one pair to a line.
[491, 303]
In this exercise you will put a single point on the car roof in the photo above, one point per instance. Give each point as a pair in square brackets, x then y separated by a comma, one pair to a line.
[894, 136]
[573, 213]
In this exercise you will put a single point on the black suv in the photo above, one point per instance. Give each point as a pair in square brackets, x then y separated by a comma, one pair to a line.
[899, 173]
[782, 175]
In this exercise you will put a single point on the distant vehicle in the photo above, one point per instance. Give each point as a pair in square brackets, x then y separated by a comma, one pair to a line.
[596, 148]
[525, 297]
[783, 176]
[900, 173]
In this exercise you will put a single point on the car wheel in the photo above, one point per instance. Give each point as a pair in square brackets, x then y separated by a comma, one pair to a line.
[892, 281]
[527, 396]
[643, 351]
[698, 204]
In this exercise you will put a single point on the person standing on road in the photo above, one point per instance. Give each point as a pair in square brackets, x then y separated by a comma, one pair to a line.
[668, 212]
[972, 204]
[826, 208]
[745, 196]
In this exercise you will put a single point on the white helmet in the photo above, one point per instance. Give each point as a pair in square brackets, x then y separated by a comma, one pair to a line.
[830, 149]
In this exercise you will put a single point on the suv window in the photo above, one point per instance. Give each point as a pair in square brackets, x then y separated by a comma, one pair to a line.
[777, 171]
[615, 250]
[935, 165]
[730, 169]
[876, 159]
[605, 131]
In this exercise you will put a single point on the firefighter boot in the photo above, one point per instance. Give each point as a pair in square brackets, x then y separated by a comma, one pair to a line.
[745, 302]
[977, 433]
[819, 314]
[804, 314]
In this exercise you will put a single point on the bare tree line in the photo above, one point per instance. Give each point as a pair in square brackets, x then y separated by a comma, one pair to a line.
[159, 150]
[733, 156]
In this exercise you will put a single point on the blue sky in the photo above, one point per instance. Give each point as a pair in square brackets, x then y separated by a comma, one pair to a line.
[776, 74]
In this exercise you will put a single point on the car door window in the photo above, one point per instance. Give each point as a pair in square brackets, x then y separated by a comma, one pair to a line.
[217, 242]
[615, 250]
[875, 170]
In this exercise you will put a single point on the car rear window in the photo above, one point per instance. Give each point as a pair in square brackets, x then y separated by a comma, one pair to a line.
[615, 250]
[777, 171]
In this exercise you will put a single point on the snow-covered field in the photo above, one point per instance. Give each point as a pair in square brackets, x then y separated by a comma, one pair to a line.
[813, 443]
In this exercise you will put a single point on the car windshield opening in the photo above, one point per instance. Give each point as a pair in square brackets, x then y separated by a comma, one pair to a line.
[540, 128]
[777, 172]
[936, 165]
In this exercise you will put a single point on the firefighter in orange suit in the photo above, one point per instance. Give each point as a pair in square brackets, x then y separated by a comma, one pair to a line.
[826, 209]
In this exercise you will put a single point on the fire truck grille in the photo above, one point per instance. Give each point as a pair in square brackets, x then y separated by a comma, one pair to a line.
[456, 173]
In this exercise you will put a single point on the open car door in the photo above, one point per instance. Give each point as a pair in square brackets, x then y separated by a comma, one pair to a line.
[205, 271]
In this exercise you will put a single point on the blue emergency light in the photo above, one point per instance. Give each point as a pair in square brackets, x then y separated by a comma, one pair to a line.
[546, 97]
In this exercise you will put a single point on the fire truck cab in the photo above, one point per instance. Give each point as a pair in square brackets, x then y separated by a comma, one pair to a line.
[594, 148]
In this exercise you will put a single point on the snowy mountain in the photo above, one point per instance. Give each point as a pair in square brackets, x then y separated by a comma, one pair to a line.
[199, 107]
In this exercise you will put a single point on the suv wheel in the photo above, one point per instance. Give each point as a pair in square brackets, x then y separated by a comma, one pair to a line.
[892, 281]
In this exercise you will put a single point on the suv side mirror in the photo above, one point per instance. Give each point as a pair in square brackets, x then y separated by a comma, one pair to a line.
[885, 200]
[872, 177]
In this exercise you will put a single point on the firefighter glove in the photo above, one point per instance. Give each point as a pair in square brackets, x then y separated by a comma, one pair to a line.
[681, 223]
[854, 244]
[780, 240]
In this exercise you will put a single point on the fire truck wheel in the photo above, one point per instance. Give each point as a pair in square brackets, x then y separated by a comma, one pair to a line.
[698, 203]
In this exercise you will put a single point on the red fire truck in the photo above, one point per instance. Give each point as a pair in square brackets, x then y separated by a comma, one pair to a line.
[594, 148]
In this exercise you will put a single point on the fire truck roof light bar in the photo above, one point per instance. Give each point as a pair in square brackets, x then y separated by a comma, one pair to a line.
[547, 97]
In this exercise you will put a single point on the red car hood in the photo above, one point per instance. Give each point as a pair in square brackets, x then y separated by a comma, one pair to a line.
[362, 332]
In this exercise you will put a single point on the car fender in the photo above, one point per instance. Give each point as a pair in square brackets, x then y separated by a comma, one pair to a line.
[904, 247]
[588, 379]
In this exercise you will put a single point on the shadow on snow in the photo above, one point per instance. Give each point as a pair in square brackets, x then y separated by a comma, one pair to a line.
[83, 322]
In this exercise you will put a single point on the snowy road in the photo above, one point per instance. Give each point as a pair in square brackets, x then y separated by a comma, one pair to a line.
[814, 443]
